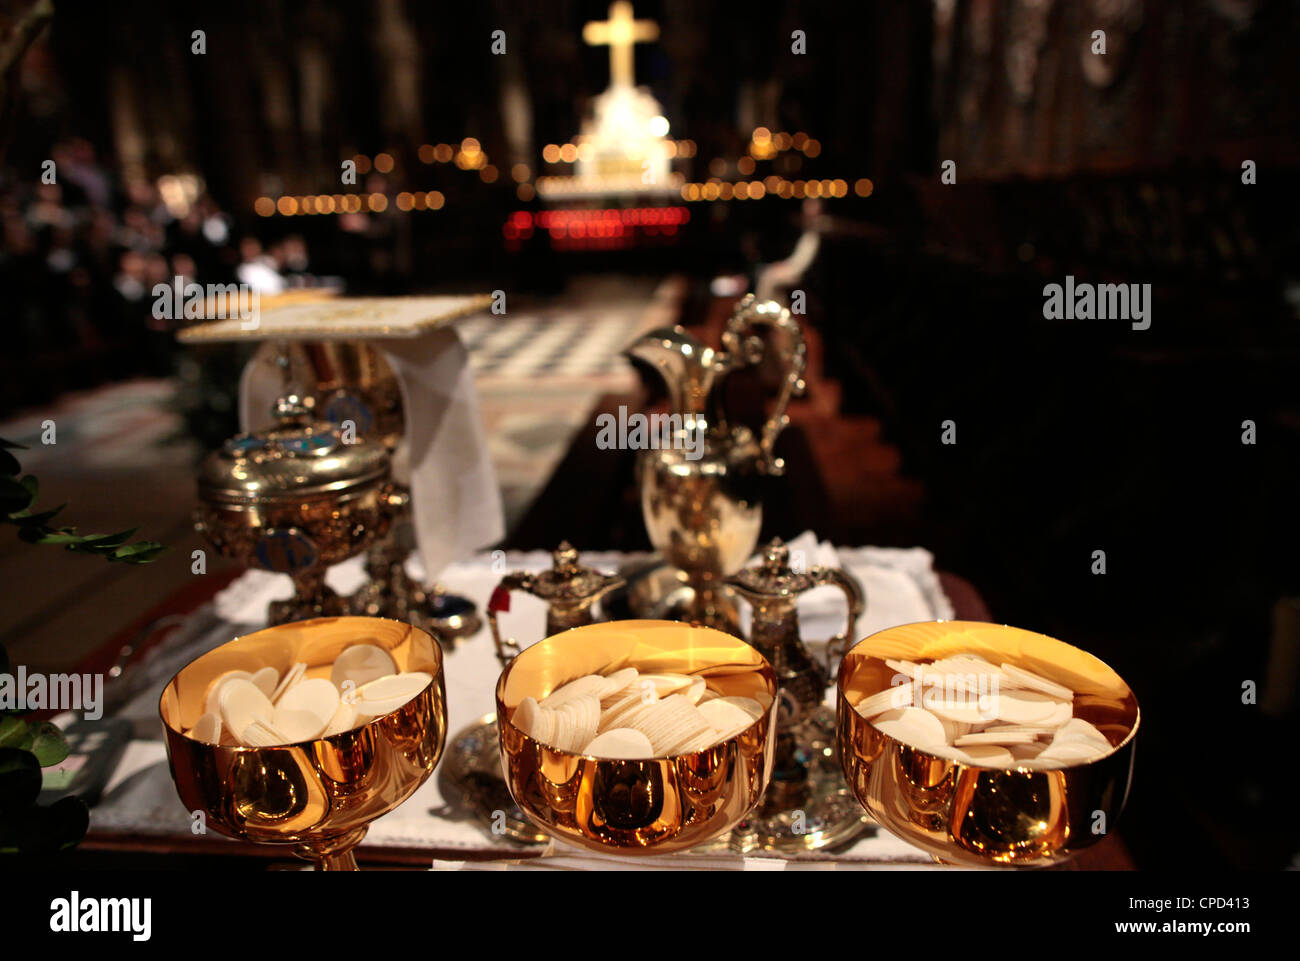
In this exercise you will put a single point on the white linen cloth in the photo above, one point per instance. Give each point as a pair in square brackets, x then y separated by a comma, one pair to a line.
[455, 499]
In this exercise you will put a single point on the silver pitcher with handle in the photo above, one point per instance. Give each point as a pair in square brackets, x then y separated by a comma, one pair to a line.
[700, 484]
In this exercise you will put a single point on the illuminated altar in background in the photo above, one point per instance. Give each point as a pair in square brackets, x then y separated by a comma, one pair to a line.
[623, 150]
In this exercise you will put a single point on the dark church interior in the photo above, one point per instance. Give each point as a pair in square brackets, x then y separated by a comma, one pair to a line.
[906, 180]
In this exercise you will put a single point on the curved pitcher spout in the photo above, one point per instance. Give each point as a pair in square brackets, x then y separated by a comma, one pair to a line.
[689, 368]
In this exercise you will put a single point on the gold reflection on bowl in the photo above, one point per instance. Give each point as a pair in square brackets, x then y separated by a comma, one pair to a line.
[981, 816]
[645, 806]
[318, 796]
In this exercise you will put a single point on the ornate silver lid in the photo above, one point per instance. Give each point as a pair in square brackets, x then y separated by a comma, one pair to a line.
[298, 456]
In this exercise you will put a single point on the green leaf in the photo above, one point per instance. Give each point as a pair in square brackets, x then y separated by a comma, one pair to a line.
[132, 551]
[38, 535]
[13, 731]
[20, 779]
[48, 744]
[42, 519]
[147, 558]
[109, 540]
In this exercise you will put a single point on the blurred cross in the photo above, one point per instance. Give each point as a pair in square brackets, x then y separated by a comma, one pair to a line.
[620, 32]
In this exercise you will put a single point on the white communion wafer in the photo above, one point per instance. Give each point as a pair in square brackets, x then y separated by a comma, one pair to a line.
[638, 696]
[962, 709]
[1004, 738]
[910, 668]
[618, 682]
[1019, 677]
[1027, 707]
[242, 703]
[525, 716]
[962, 676]
[1027, 752]
[361, 664]
[387, 694]
[1070, 752]
[291, 677]
[696, 690]
[699, 735]
[661, 719]
[674, 723]
[746, 704]
[912, 725]
[1038, 730]
[344, 719]
[207, 729]
[1077, 729]
[315, 696]
[947, 751]
[955, 729]
[1064, 711]
[298, 725]
[262, 734]
[535, 721]
[576, 722]
[212, 701]
[620, 743]
[666, 684]
[565, 734]
[890, 699]
[544, 726]
[266, 679]
[989, 755]
[588, 684]
[628, 687]
[724, 717]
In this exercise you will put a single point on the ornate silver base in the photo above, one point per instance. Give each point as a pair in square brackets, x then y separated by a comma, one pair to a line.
[472, 765]
[808, 806]
[314, 600]
[391, 593]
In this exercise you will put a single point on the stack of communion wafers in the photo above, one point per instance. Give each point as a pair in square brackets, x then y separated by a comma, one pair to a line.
[968, 709]
[264, 709]
[629, 715]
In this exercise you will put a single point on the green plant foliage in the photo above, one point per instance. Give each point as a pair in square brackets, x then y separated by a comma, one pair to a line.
[17, 502]
[28, 746]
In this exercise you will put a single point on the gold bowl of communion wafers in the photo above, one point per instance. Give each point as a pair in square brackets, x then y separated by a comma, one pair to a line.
[315, 796]
[1021, 752]
[660, 800]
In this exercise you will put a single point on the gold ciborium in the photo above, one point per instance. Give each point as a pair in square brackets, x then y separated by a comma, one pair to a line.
[700, 488]
[636, 807]
[315, 797]
[295, 499]
[970, 814]
[474, 762]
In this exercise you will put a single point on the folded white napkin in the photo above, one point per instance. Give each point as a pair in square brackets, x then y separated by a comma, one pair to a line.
[455, 498]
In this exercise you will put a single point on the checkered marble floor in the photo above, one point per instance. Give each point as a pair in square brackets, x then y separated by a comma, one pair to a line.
[559, 341]
[541, 367]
